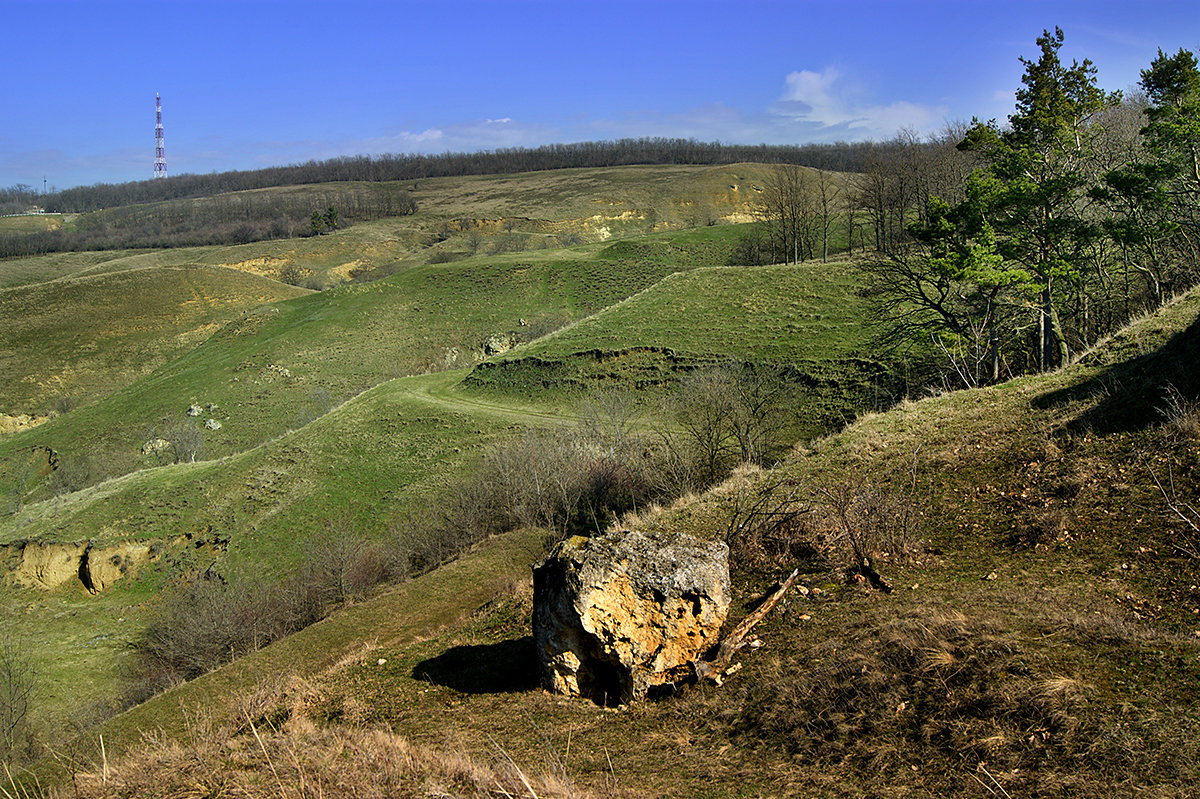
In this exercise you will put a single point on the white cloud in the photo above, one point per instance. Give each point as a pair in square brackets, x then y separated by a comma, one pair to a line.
[827, 107]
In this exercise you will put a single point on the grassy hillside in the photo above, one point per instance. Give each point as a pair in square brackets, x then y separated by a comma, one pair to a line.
[1040, 637]
[260, 503]
[346, 407]
[508, 212]
[361, 466]
[278, 366]
[256, 505]
[41, 269]
[778, 313]
[86, 337]
[30, 223]
[809, 319]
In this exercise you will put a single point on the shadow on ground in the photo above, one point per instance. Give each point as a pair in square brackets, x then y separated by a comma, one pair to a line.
[505, 667]
[1137, 393]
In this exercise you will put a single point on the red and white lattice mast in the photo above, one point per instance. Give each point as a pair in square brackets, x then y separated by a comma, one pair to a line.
[160, 150]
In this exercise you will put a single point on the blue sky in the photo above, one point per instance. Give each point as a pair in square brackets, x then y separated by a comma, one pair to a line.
[262, 82]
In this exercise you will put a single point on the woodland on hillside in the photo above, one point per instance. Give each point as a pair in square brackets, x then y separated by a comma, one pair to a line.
[1013, 248]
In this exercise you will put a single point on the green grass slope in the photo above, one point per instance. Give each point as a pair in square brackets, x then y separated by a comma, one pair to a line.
[779, 313]
[809, 319]
[86, 337]
[280, 365]
[259, 492]
[44, 268]
[363, 465]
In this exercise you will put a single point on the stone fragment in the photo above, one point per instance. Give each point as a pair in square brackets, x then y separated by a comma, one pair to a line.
[212, 424]
[194, 410]
[155, 445]
[497, 343]
[618, 615]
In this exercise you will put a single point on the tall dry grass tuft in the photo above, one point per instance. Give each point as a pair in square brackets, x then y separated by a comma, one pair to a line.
[299, 760]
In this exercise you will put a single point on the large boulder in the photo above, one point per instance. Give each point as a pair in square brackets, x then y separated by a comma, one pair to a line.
[497, 343]
[617, 615]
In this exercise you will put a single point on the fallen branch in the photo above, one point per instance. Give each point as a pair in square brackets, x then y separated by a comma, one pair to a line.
[714, 670]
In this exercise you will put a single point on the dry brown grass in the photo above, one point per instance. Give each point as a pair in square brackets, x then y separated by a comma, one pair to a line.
[296, 759]
[929, 695]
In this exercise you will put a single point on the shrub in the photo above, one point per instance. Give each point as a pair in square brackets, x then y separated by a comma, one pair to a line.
[210, 619]
[74, 473]
[17, 678]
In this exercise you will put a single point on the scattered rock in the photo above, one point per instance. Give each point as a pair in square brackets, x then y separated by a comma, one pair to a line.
[212, 424]
[155, 446]
[497, 343]
[194, 410]
[617, 615]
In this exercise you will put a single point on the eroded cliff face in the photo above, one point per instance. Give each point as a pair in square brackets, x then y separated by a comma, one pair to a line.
[50, 565]
[17, 422]
[619, 615]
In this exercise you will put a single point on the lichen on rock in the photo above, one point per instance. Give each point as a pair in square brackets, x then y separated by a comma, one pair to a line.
[619, 615]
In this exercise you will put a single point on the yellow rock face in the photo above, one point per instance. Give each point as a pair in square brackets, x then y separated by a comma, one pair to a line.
[106, 566]
[49, 565]
[12, 424]
[618, 615]
[52, 565]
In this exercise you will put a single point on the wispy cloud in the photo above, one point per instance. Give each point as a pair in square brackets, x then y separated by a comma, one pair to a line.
[468, 136]
[824, 105]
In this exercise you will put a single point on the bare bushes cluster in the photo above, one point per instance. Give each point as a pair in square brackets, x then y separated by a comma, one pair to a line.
[566, 481]
[848, 522]
[725, 415]
[180, 441]
[582, 478]
[74, 473]
[211, 618]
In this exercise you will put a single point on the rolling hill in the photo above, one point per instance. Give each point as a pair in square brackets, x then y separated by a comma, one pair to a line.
[1040, 636]
[1033, 629]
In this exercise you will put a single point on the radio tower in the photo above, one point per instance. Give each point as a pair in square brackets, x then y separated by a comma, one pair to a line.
[160, 150]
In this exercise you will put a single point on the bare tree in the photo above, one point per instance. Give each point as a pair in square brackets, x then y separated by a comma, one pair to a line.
[17, 679]
[784, 206]
[187, 442]
[827, 194]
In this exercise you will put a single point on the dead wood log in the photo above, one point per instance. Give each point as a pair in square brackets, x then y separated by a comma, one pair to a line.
[714, 670]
